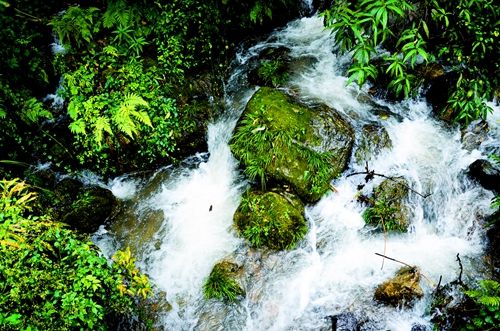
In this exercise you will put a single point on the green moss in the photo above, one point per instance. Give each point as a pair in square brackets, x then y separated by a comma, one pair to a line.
[272, 219]
[373, 139]
[388, 210]
[277, 138]
[222, 284]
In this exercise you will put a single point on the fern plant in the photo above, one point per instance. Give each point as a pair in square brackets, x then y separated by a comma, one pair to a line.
[76, 25]
[487, 299]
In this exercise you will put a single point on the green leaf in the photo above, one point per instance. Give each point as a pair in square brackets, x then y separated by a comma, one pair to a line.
[77, 127]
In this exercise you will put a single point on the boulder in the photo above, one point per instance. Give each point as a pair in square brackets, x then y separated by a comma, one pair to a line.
[403, 289]
[344, 322]
[388, 206]
[222, 283]
[493, 235]
[90, 209]
[486, 173]
[474, 135]
[282, 140]
[374, 138]
[272, 219]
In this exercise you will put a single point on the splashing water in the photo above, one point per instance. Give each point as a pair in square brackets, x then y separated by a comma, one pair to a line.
[334, 269]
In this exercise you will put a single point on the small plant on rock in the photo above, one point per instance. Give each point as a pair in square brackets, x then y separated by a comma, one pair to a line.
[221, 284]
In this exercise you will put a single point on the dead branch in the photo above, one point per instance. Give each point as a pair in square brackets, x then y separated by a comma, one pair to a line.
[370, 174]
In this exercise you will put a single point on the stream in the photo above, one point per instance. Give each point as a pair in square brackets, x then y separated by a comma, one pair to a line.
[178, 222]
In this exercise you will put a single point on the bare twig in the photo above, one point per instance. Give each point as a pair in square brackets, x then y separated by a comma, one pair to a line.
[461, 269]
[408, 265]
[371, 173]
[31, 17]
[392, 259]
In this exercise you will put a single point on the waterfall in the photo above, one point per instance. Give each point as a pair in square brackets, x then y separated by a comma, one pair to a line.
[334, 269]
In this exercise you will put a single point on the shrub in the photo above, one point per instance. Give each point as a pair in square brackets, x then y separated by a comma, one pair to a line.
[460, 35]
[486, 315]
[51, 278]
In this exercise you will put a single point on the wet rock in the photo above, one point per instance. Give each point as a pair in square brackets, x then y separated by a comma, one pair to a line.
[403, 289]
[374, 138]
[223, 282]
[344, 322]
[279, 139]
[68, 189]
[89, 210]
[419, 327]
[486, 173]
[493, 235]
[474, 135]
[271, 219]
[388, 205]
[450, 308]
[270, 68]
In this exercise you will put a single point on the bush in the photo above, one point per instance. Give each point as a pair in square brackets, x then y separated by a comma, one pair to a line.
[460, 35]
[51, 278]
[486, 315]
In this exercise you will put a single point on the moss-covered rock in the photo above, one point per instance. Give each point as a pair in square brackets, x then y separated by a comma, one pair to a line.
[280, 139]
[222, 284]
[89, 210]
[374, 138]
[272, 219]
[388, 210]
[403, 289]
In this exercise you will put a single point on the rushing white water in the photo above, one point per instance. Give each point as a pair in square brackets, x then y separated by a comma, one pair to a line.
[334, 269]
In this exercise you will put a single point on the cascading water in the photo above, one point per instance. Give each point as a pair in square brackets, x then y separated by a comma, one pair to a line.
[334, 269]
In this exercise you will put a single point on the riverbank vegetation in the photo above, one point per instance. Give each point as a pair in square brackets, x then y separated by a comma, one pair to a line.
[115, 86]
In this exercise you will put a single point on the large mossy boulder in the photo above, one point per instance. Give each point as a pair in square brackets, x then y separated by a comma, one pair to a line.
[374, 139]
[272, 219]
[403, 289]
[282, 140]
[388, 210]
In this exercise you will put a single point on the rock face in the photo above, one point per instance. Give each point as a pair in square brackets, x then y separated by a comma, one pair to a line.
[403, 289]
[272, 219]
[374, 138]
[281, 140]
[388, 206]
[486, 173]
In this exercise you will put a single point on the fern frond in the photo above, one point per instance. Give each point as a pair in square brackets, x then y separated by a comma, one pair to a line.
[77, 127]
[133, 100]
[142, 117]
[101, 125]
[34, 110]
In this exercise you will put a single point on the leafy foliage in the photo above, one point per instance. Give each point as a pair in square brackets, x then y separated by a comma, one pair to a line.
[76, 25]
[273, 72]
[221, 284]
[53, 279]
[461, 35]
[382, 214]
[487, 299]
